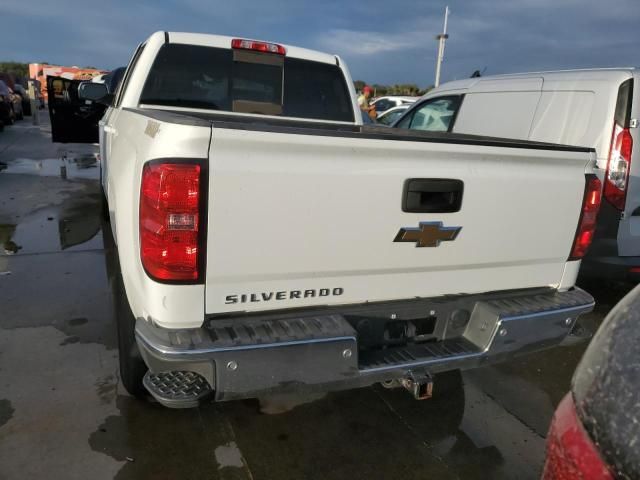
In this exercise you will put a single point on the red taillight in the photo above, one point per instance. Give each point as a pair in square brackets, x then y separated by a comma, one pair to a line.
[263, 47]
[571, 455]
[588, 218]
[170, 220]
[618, 166]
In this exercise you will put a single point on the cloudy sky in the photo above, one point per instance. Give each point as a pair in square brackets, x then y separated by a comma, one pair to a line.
[383, 41]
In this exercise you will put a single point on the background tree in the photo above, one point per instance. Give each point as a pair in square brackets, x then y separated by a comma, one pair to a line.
[405, 89]
[15, 68]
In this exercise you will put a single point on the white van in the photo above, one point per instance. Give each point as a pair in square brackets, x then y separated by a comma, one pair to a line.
[596, 108]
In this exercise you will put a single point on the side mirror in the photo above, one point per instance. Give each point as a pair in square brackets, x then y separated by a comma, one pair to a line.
[95, 92]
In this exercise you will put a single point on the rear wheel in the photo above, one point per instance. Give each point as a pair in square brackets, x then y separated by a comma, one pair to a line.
[132, 366]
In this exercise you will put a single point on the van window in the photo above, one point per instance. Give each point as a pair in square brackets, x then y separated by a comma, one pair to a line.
[434, 115]
[623, 104]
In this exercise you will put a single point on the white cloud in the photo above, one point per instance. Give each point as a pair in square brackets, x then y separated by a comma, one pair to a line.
[413, 34]
[352, 42]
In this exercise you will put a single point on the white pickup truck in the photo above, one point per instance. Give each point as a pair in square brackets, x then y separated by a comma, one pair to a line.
[267, 241]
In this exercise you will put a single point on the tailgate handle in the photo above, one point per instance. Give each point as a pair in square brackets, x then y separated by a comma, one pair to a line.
[432, 195]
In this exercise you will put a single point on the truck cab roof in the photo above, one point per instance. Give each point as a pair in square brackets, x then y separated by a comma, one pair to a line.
[223, 41]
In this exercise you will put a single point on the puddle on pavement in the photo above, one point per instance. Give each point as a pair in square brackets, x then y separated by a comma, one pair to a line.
[67, 166]
[143, 432]
[73, 225]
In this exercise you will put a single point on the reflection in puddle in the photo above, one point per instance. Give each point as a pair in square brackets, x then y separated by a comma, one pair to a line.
[66, 167]
[55, 229]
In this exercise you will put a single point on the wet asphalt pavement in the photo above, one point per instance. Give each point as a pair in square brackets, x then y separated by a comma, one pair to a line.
[63, 414]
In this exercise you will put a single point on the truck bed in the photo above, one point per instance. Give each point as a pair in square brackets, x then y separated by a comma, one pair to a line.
[305, 214]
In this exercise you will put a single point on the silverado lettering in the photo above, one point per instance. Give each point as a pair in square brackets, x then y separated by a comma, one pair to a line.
[283, 295]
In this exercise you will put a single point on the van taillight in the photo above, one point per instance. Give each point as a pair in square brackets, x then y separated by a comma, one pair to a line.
[170, 221]
[571, 454]
[618, 166]
[588, 217]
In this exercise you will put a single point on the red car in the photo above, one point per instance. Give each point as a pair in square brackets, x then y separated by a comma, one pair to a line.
[595, 432]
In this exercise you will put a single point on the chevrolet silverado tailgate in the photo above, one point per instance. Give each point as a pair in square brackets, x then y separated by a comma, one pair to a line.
[304, 217]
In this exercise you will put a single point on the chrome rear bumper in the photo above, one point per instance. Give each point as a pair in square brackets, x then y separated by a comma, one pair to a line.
[248, 357]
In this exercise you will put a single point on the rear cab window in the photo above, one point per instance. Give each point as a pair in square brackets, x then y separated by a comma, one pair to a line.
[243, 81]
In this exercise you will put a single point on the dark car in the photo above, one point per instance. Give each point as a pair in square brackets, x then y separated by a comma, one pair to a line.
[7, 115]
[595, 432]
[24, 96]
[72, 118]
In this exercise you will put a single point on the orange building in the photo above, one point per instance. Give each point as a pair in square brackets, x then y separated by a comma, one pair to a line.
[41, 71]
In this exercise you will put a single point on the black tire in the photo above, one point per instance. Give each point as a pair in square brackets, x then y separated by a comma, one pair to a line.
[132, 366]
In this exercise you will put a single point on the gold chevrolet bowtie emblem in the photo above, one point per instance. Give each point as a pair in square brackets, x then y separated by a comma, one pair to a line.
[428, 234]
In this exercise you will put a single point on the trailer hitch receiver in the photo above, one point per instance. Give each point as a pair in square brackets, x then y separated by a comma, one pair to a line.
[420, 386]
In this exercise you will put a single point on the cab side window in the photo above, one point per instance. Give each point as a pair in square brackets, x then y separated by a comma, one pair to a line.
[434, 115]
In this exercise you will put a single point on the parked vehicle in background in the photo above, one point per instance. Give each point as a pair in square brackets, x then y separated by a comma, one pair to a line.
[382, 255]
[7, 114]
[389, 116]
[9, 80]
[37, 87]
[24, 95]
[594, 433]
[72, 118]
[16, 100]
[383, 104]
[597, 108]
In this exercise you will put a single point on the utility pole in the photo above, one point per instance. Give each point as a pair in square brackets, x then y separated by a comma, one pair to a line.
[442, 37]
